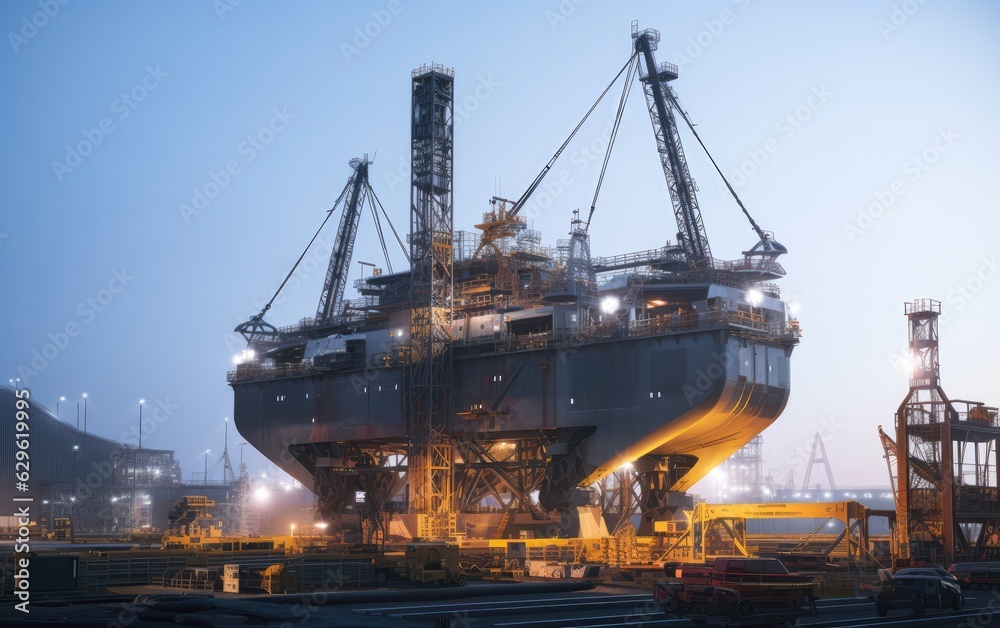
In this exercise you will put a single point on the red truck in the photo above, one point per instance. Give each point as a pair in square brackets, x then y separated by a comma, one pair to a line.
[736, 587]
[981, 575]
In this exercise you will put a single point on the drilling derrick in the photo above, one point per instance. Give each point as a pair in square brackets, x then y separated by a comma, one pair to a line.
[430, 449]
[659, 96]
[946, 450]
[331, 301]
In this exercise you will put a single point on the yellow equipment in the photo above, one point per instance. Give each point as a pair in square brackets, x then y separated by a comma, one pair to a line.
[712, 530]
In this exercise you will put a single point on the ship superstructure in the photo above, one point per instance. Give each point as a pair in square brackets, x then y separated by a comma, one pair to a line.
[484, 391]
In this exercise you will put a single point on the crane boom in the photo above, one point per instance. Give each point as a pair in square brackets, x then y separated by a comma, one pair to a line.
[655, 78]
[331, 300]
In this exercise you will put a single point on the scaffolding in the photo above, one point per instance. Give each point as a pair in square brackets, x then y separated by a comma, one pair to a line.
[947, 507]
[742, 476]
[431, 230]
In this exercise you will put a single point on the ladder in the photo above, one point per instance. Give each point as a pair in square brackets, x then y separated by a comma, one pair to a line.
[502, 527]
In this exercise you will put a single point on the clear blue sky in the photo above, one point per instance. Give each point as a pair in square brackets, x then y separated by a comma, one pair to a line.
[161, 95]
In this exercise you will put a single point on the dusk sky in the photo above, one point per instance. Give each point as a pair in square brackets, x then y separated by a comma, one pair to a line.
[864, 134]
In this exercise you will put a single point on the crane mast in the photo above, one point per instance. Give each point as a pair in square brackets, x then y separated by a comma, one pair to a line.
[331, 301]
[655, 78]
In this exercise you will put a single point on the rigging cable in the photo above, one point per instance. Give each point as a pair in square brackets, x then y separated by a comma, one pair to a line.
[673, 99]
[541, 175]
[378, 229]
[611, 140]
[306, 250]
[398, 239]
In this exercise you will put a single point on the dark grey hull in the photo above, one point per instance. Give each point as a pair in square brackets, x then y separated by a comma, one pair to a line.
[701, 394]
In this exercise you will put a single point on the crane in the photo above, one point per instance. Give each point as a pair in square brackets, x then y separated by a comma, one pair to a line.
[331, 300]
[655, 83]
[758, 263]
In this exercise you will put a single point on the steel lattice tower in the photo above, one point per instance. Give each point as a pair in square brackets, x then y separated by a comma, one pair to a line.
[924, 504]
[431, 230]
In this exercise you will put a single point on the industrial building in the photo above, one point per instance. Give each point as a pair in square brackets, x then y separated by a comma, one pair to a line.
[102, 486]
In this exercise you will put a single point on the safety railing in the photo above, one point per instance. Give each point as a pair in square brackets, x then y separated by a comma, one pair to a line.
[252, 371]
[500, 342]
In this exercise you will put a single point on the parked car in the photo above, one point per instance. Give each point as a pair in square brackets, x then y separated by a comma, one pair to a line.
[940, 572]
[977, 575]
[915, 591]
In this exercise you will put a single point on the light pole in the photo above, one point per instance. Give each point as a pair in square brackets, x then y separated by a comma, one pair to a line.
[225, 453]
[84, 413]
[57, 404]
[135, 464]
[72, 498]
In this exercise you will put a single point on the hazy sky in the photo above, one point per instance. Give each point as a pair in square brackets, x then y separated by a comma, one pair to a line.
[864, 134]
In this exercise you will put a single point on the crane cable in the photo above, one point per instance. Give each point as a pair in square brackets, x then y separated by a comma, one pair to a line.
[378, 229]
[306, 250]
[541, 175]
[673, 100]
[398, 239]
[630, 78]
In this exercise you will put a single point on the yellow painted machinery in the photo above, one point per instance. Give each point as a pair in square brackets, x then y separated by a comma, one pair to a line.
[712, 530]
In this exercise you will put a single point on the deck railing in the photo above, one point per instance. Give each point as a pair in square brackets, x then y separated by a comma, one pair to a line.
[501, 342]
